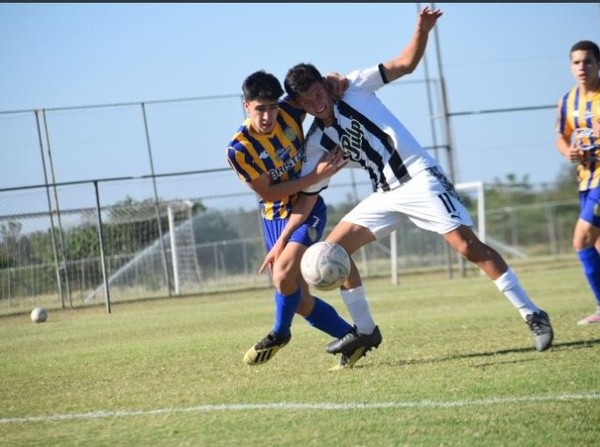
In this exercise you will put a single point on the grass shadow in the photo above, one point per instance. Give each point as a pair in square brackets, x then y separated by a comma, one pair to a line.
[581, 344]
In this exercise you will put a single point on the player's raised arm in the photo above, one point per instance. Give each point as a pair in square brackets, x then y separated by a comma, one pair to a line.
[411, 55]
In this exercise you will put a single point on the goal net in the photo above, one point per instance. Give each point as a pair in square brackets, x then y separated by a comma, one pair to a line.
[167, 262]
[473, 194]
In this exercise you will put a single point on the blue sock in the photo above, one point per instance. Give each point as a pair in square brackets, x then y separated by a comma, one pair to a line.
[325, 318]
[285, 308]
[590, 258]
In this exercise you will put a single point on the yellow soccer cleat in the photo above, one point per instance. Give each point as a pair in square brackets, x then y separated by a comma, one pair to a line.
[348, 361]
[265, 349]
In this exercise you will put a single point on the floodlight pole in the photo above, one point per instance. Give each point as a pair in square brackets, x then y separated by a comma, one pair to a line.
[447, 252]
[156, 201]
[445, 113]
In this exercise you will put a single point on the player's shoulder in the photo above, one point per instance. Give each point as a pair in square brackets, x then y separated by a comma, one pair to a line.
[289, 107]
[569, 93]
[239, 141]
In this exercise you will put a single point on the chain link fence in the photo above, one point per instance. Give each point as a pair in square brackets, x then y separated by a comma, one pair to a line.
[134, 233]
[111, 251]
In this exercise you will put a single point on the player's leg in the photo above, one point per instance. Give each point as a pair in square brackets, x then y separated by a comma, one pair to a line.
[287, 279]
[317, 312]
[292, 294]
[434, 205]
[351, 237]
[586, 238]
[465, 242]
[287, 296]
[365, 223]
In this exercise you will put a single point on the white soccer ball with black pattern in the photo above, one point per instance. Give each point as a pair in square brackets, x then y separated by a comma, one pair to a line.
[39, 315]
[325, 265]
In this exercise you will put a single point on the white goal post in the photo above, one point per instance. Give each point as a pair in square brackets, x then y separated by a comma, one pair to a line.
[479, 189]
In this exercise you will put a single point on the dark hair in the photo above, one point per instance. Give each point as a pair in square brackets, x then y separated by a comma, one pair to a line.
[261, 85]
[300, 78]
[587, 45]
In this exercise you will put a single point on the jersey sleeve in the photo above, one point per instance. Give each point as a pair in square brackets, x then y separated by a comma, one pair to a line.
[244, 166]
[367, 79]
[562, 123]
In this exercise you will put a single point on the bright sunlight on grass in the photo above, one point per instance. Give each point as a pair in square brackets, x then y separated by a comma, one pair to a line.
[456, 367]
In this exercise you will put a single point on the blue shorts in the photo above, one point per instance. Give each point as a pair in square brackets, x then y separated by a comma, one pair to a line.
[589, 204]
[306, 234]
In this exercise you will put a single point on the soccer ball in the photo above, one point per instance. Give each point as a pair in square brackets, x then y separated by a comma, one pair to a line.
[325, 265]
[39, 315]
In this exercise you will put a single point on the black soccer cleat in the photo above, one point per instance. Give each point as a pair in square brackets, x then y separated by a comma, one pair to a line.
[353, 340]
[541, 330]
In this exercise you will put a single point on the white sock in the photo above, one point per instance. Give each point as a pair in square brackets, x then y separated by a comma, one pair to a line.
[358, 306]
[508, 284]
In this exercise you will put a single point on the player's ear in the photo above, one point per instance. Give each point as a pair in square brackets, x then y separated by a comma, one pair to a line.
[247, 106]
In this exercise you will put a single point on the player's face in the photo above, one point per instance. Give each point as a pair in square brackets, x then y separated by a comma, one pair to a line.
[584, 67]
[262, 114]
[318, 102]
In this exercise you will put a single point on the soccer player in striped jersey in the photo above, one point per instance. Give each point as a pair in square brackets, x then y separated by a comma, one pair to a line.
[267, 154]
[406, 181]
[578, 112]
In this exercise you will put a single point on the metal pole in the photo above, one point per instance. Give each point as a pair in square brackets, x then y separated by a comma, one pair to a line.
[447, 253]
[452, 167]
[101, 242]
[49, 200]
[60, 227]
[156, 202]
[451, 162]
[171, 219]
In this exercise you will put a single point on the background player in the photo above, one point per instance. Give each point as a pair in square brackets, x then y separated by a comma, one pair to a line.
[576, 140]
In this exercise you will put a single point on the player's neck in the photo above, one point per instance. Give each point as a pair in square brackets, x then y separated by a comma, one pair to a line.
[590, 87]
[257, 133]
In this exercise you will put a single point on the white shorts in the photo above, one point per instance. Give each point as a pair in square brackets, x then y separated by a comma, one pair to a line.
[428, 199]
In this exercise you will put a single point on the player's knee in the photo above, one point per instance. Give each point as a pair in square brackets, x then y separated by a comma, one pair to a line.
[464, 247]
[283, 279]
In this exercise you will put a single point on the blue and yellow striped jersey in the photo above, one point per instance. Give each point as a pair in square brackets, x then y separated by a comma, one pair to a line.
[279, 155]
[575, 121]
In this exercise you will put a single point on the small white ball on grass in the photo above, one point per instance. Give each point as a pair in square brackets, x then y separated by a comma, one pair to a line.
[39, 315]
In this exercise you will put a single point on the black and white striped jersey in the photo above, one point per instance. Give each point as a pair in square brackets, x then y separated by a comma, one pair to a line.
[370, 135]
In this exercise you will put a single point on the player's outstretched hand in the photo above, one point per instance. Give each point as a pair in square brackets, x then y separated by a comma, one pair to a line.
[272, 257]
[428, 18]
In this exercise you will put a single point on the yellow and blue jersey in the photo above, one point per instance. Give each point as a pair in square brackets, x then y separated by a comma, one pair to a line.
[279, 154]
[576, 112]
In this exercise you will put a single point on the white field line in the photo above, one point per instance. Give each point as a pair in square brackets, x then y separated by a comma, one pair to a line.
[328, 406]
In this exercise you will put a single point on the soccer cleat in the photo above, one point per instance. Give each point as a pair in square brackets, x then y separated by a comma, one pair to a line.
[348, 360]
[353, 340]
[265, 349]
[539, 325]
[594, 318]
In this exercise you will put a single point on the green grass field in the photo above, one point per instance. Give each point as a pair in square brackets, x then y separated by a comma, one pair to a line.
[456, 367]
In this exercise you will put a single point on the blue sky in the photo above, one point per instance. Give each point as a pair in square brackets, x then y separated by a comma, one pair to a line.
[494, 56]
